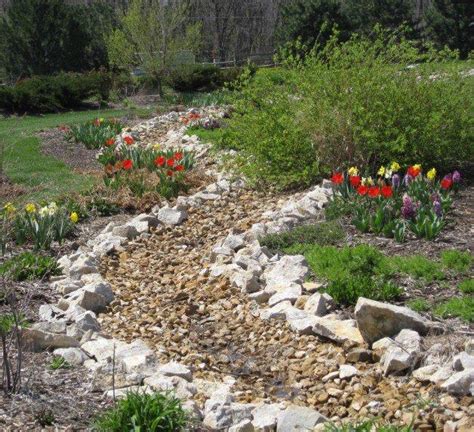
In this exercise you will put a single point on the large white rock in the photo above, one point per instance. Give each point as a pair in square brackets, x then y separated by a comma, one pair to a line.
[127, 231]
[87, 300]
[290, 294]
[234, 242]
[176, 369]
[37, 340]
[298, 419]
[463, 361]
[318, 304]
[377, 320]
[246, 281]
[49, 312]
[67, 285]
[290, 268]
[87, 321]
[243, 426]
[73, 356]
[347, 371]
[338, 331]
[84, 264]
[461, 383]
[265, 417]
[403, 354]
[170, 216]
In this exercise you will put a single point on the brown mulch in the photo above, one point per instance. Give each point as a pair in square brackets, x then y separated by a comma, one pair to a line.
[8, 190]
[75, 155]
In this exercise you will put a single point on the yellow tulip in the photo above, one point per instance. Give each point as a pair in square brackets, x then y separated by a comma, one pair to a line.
[431, 174]
[353, 171]
[30, 208]
[381, 171]
[395, 166]
[74, 217]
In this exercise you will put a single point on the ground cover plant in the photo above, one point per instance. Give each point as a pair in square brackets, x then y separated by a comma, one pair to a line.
[356, 102]
[155, 412]
[28, 266]
[392, 203]
[95, 133]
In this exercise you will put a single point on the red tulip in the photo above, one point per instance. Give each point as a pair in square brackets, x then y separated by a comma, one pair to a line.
[169, 173]
[110, 142]
[387, 191]
[362, 190]
[374, 192]
[413, 171]
[178, 156]
[355, 180]
[446, 183]
[160, 161]
[179, 168]
[129, 140]
[127, 165]
[337, 178]
[170, 162]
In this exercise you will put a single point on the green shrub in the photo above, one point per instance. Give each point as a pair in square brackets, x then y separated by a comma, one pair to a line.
[54, 93]
[352, 272]
[59, 362]
[195, 77]
[146, 412]
[419, 305]
[418, 267]
[28, 266]
[462, 307]
[355, 103]
[456, 260]
[467, 286]
[323, 234]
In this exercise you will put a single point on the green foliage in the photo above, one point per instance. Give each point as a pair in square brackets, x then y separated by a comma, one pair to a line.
[29, 266]
[43, 94]
[45, 417]
[418, 267]
[147, 412]
[419, 305]
[459, 261]
[355, 102]
[59, 362]
[367, 426]
[462, 307]
[96, 133]
[449, 23]
[467, 286]
[42, 37]
[323, 234]
[351, 272]
[195, 77]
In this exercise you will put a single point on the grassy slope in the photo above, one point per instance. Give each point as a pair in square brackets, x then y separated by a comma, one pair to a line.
[25, 165]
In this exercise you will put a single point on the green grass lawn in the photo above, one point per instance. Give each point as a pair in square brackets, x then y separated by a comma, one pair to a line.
[25, 165]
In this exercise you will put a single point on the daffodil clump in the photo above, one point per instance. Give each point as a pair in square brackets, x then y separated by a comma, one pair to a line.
[40, 225]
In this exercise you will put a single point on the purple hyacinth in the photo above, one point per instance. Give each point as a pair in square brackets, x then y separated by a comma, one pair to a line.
[408, 209]
[407, 179]
[437, 208]
[456, 177]
[396, 181]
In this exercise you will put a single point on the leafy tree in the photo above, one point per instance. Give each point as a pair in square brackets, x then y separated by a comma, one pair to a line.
[312, 20]
[451, 23]
[42, 37]
[150, 35]
[365, 14]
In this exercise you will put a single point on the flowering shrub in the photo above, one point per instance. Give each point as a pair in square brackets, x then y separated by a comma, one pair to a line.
[390, 203]
[40, 225]
[144, 168]
[94, 134]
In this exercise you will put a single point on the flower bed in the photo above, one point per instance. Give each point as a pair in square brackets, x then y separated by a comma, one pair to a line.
[393, 205]
[95, 133]
[39, 225]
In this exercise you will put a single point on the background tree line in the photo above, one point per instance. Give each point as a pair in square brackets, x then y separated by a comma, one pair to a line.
[43, 37]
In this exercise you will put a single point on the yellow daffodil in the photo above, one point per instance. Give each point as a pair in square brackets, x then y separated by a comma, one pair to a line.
[101, 120]
[30, 208]
[156, 147]
[353, 171]
[431, 174]
[381, 171]
[74, 217]
[9, 208]
[417, 166]
[395, 166]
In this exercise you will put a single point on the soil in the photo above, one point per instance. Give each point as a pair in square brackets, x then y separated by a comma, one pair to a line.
[8, 190]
